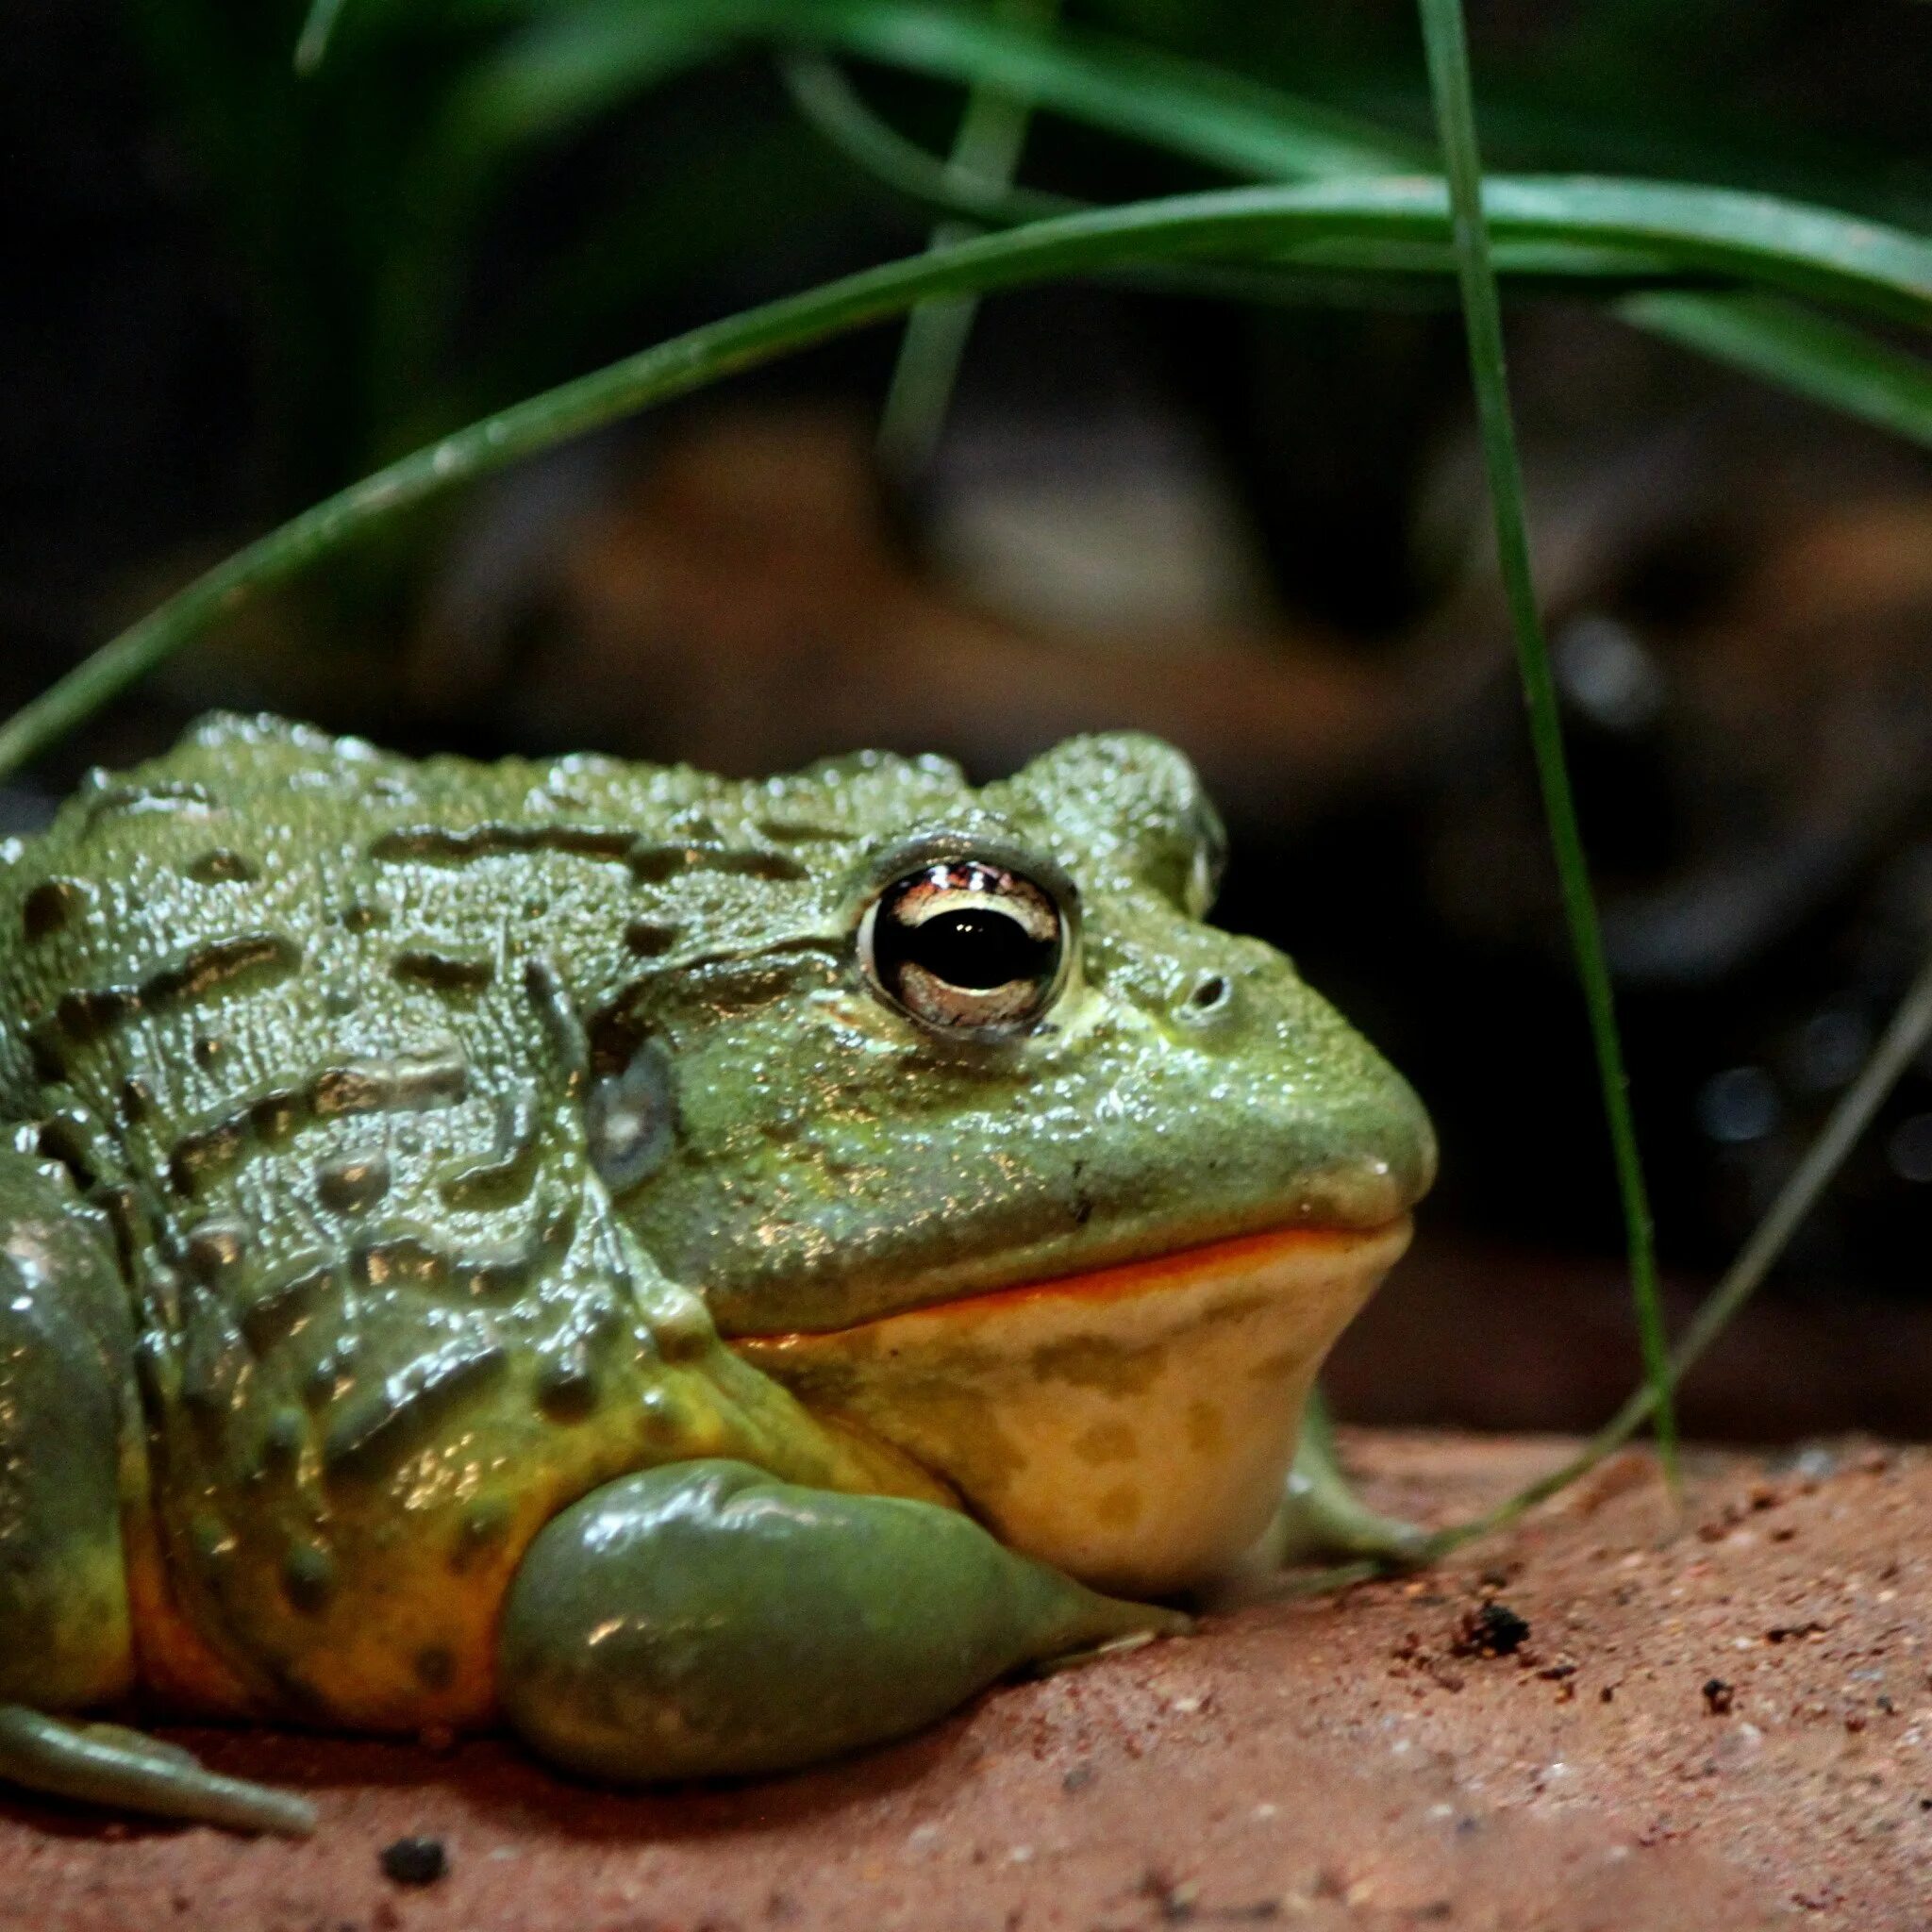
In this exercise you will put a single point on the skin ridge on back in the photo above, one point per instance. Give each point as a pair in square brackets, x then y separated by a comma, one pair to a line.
[305, 1021]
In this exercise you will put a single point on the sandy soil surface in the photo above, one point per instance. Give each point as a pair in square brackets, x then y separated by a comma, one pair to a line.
[1718, 1720]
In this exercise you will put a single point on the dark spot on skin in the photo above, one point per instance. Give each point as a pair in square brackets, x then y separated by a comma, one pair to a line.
[415, 1861]
[68, 1137]
[352, 1183]
[436, 1667]
[684, 1332]
[205, 1154]
[403, 1084]
[1083, 1201]
[648, 938]
[87, 1012]
[277, 1114]
[207, 969]
[445, 971]
[215, 1249]
[221, 867]
[308, 1577]
[137, 1100]
[483, 1527]
[282, 1440]
[796, 831]
[362, 917]
[49, 906]
[44, 1044]
[208, 1052]
[439, 845]
[567, 1386]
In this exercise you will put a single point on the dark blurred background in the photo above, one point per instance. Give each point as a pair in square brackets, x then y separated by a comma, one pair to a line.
[1257, 527]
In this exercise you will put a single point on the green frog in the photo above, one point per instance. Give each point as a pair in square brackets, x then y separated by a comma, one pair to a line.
[705, 1273]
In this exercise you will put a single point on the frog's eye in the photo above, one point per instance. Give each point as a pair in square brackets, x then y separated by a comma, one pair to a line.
[966, 946]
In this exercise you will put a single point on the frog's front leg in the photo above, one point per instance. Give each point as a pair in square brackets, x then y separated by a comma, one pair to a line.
[706, 1619]
[66, 1355]
[1322, 1519]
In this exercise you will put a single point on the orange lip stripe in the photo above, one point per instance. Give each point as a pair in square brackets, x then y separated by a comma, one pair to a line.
[1122, 1279]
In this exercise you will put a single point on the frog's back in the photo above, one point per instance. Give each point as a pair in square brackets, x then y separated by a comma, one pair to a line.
[308, 1021]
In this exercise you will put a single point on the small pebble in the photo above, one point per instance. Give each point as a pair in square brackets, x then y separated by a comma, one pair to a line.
[415, 1861]
[1494, 1630]
[1717, 1697]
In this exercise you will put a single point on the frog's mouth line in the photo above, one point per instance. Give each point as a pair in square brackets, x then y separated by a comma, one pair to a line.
[1178, 1268]
[1131, 1423]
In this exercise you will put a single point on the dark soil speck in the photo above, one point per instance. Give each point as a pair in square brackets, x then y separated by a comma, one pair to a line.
[415, 1861]
[1492, 1629]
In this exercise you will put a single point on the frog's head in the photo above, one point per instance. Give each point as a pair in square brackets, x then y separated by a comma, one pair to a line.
[1004, 1154]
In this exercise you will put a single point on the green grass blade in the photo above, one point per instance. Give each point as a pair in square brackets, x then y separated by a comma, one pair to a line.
[1703, 230]
[1261, 131]
[828, 103]
[576, 62]
[1449, 82]
[1183, 105]
[1816, 355]
[991, 137]
[318, 29]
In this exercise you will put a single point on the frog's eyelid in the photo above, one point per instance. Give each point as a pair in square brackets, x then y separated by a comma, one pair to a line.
[958, 844]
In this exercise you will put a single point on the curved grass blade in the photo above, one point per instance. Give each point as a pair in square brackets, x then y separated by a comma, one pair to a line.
[828, 103]
[1447, 47]
[318, 29]
[991, 137]
[1711, 231]
[1814, 355]
[570, 65]
[1184, 105]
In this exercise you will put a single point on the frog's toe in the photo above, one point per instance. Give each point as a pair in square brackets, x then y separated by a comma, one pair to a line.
[108, 1764]
[706, 1619]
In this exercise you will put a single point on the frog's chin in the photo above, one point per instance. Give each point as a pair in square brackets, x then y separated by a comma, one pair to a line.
[1132, 1425]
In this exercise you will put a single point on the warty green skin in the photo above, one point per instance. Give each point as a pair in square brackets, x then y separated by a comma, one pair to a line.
[441, 1123]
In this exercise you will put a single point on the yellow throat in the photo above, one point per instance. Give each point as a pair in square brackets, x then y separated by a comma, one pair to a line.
[1132, 1425]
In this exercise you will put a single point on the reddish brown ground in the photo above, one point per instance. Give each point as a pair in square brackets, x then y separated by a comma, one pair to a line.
[1313, 1764]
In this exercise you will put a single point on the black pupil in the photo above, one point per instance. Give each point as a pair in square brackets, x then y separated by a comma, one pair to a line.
[978, 949]
[975, 949]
